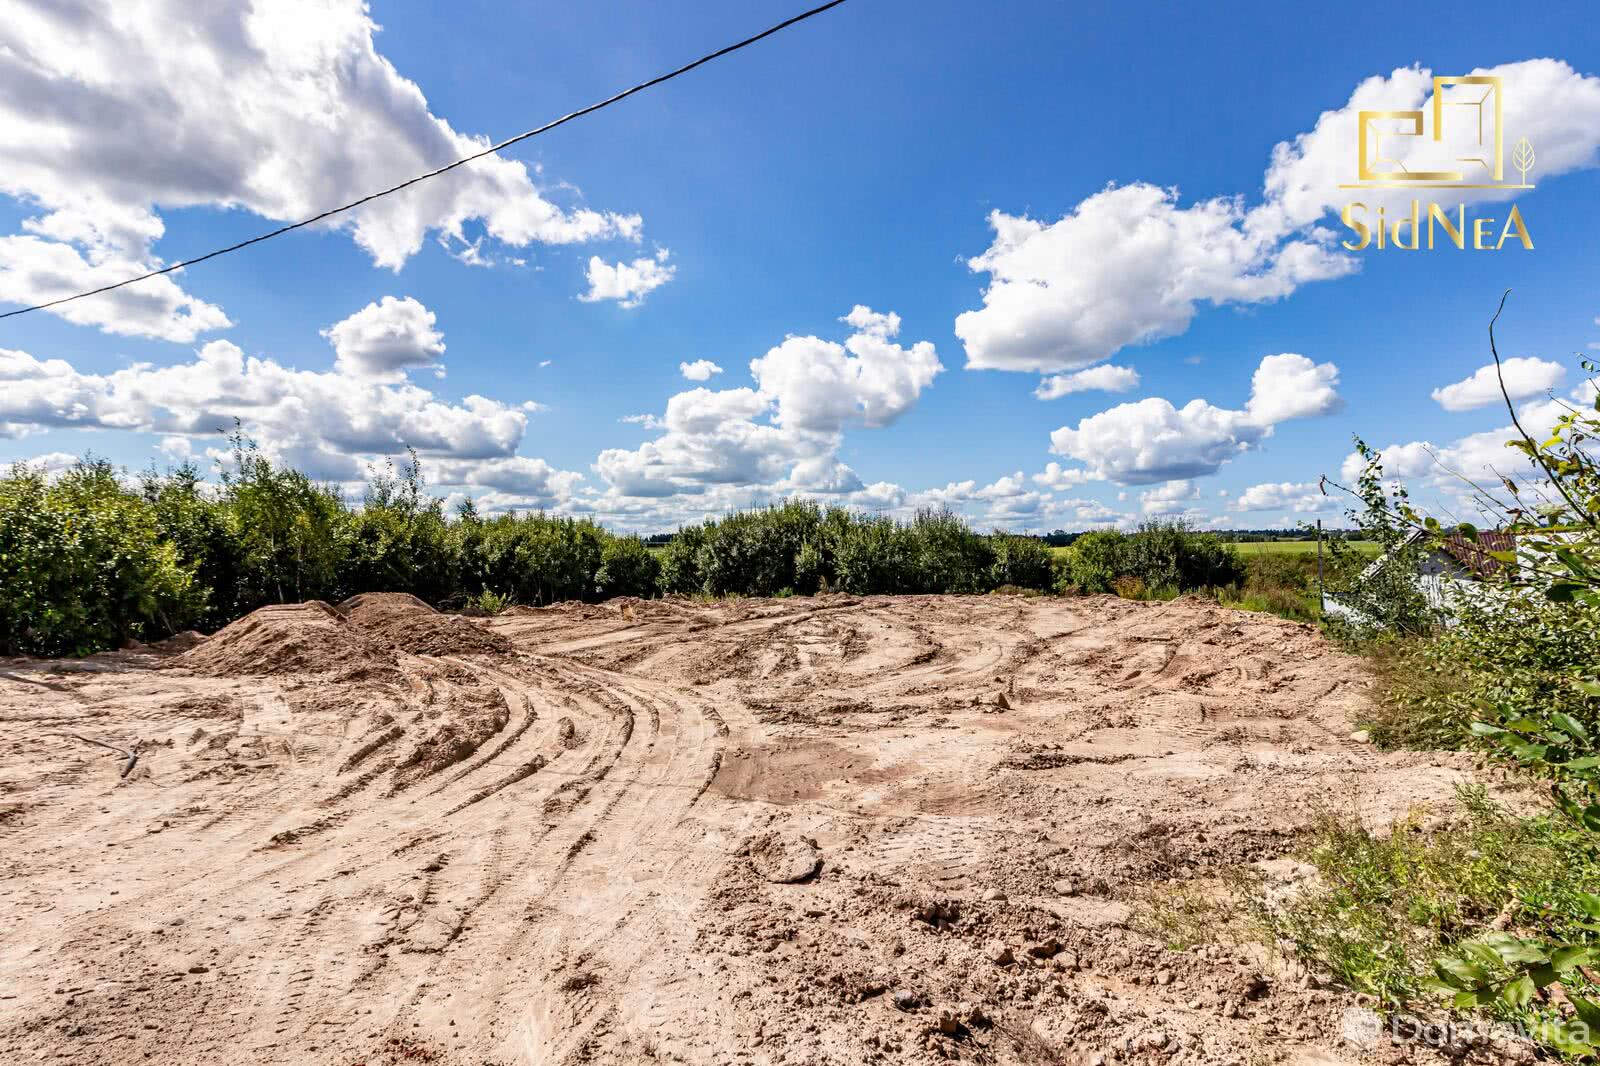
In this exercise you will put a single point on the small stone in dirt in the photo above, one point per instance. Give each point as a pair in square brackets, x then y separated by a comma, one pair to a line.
[1249, 986]
[1065, 888]
[947, 1022]
[905, 999]
[1362, 736]
[1165, 977]
[995, 895]
[937, 913]
[1001, 702]
[999, 954]
[1049, 949]
[784, 858]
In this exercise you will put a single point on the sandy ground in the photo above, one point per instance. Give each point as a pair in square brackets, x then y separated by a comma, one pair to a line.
[829, 830]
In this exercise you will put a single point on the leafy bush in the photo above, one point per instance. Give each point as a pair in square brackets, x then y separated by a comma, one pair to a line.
[190, 518]
[1097, 559]
[627, 568]
[83, 566]
[1384, 596]
[1025, 562]
[399, 541]
[680, 562]
[286, 530]
[871, 555]
[1171, 554]
[1165, 555]
[797, 547]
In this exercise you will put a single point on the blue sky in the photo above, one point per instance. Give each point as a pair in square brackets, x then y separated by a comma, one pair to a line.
[853, 160]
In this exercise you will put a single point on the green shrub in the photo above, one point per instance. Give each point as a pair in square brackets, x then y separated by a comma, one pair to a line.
[1384, 595]
[873, 555]
[948, 555]
[1169, 553]
[287, 531]
[680, 562]
[190, 517]
[1097, 559]
[83, 566]
[399, 541]
[1025, 562]
[1161, 555]
[1512, 663]
[627, 568]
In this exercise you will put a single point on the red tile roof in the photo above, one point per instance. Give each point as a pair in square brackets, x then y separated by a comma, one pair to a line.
[1474, 555]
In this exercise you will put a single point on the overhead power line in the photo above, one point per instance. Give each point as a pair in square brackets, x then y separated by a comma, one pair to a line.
[463, 161]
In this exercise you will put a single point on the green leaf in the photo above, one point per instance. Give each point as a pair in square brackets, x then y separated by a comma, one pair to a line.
[1465, 974]
[1517, 993]
[1564, 959]
[1588, 1011]
[1565, 721]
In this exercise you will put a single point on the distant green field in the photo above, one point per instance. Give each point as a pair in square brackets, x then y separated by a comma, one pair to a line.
[1273, 546]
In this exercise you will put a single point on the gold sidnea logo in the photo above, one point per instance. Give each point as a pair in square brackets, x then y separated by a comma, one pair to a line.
[1476, 109]
[1460, 145]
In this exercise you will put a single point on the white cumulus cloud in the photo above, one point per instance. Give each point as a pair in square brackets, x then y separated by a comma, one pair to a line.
[699, 370]
[1127, 266]
[1300, 497]
[385, 339]
[1151, 441]
[1525, 376]
[1169, 498]
[1134, 264]
[626, 283]
[282, 109]
[785, 431]
[1106, 378]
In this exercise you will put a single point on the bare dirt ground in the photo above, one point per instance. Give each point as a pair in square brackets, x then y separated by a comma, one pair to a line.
[829, 830]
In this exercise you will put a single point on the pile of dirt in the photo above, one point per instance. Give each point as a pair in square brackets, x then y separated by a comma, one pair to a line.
[178, 642]
[289, 638]
[400, 620]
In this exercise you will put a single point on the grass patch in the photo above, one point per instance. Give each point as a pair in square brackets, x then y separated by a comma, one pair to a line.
[1215, 910]
[1423, 700]
[1389, 905]
[1285, 602]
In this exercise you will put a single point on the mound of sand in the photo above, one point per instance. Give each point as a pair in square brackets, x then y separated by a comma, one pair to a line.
[184, 641]
[289, 638]
[400, 620]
